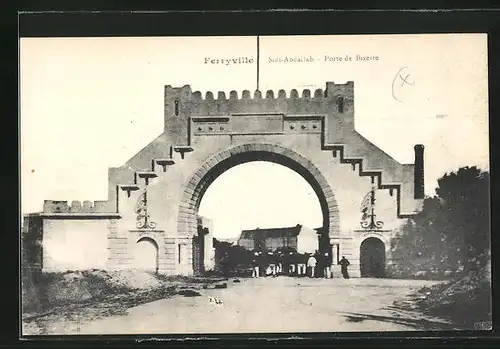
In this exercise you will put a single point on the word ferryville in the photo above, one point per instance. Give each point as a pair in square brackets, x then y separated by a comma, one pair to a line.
[228, 61]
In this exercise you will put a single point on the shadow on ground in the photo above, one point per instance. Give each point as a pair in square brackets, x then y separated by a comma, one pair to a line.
[417, 324]
[465, 302]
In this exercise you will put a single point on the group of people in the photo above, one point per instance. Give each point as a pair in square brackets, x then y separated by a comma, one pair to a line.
[296, 264]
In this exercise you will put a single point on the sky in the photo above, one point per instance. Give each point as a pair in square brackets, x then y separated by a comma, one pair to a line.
[92, 103]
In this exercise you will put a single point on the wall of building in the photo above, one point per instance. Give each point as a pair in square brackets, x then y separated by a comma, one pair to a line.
[209, 253]
[273, 243]
[246, 243]
[75, 244]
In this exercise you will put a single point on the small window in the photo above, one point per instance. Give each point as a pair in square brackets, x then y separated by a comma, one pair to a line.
[179, 253]
[337, 251]
[176, 107]
[340, 104]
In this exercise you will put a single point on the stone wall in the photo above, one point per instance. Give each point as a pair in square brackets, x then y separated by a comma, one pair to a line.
[209, 253]
[73, 244]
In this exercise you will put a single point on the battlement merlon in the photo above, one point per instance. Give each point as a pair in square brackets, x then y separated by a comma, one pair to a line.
[336, 100]
[53, 206]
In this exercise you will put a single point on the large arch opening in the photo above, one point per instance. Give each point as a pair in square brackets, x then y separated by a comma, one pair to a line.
[262, 195]
[216, 165]
[146, 255]
[372, 258]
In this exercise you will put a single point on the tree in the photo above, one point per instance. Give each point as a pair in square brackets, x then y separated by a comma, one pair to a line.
[230, 255]
[452, 230]
[466, 202]
[222, 246]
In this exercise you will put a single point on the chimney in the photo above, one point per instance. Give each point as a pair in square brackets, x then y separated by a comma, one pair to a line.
[418, 175]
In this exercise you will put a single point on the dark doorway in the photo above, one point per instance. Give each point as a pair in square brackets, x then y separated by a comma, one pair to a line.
[199, 251]
[372, 258]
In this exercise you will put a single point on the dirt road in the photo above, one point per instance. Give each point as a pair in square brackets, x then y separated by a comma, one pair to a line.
[271, 305]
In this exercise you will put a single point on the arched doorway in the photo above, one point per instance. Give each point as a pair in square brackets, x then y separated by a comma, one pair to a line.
[146, 255]
[214, 166]
[372, 258]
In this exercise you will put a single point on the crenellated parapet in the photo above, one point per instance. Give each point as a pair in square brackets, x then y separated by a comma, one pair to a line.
[181, 103]
[53, 206]
[336, 98]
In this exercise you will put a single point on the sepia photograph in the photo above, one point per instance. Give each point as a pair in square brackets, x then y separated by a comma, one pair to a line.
[254, 184]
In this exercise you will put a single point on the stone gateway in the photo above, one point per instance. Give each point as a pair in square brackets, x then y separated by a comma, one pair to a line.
[154, 197]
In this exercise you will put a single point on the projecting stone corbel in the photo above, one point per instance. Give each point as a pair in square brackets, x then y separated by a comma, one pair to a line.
[129, 188]
[146, 176]
[164, 163]
[182, 149]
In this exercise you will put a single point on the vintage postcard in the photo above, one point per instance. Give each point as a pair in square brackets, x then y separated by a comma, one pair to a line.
[272, 184]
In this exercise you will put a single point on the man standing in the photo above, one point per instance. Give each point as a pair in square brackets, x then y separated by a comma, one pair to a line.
[319, 264]
[344, 263]
[264, 263]
[286, 262]
[273, 264]
[311, 264]
[293, 262]
[280, 262]
[301, 264]
[255, 265]
[328, 265]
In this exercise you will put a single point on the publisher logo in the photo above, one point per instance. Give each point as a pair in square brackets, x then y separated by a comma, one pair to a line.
[483, 326]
